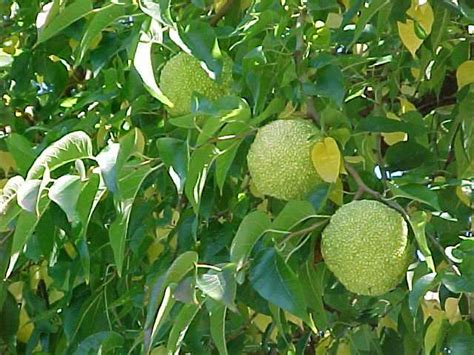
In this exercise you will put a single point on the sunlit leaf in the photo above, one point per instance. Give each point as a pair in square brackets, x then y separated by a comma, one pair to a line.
[465, 74]
[326, 159]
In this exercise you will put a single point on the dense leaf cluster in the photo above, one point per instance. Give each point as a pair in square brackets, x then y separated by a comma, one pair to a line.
[126, 230]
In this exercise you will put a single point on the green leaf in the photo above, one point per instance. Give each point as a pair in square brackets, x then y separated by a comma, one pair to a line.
[217, 313]
[230, 139]
[25, 226]
[329, 83]
[219, 285]
[142, 62]
[101, 342]
[418, 221]
[273, 279]
[75, 145]
[174, 153]
[199, 39]
[88, 200]
[181, 324]
[65, 193]
[129, 183]
[366, 15]
[181, 265]
[250, 230]
[314, 278]
[199, 166]
[165, 307]
[27, 195]
[294, 213]
[9, 318]
[275, 106]
[103, 17]
[386, 125]
[416, 192]
[406, 155]
[22, 151]
[420, 287]
[162, 293]
[63, 19]
[226, 109]
[107, 160]
[460, 344]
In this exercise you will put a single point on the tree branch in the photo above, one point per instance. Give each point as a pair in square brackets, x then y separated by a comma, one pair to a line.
[221, 13]
[364, 188]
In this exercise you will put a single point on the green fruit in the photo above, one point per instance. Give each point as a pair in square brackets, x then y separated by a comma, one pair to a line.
[279, 159]
[183, 75]
[365, 245]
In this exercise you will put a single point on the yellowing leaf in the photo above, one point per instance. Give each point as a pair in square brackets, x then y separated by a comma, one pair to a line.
[219, 4]
[262, 321]
[465, 73]
[423, 15]
[451, 307]
[25, 328]
[407, 34]
[392, 138]
[326, 159]
[406, 105]
[432, 332]
[7, 162]
[343, 348]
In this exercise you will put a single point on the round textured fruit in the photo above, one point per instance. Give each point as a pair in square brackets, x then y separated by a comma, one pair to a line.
[183, 75]
[279, 159]
[365, 245]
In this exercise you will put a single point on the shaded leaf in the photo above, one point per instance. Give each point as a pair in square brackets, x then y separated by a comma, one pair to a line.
[181, 325]
[416, 192]
[272, 278]
[105, 342]
[129, 184]
[217, 313]
[418, 221]
[420, 287]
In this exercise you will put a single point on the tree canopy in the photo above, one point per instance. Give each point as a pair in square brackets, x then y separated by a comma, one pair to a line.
[128, 226]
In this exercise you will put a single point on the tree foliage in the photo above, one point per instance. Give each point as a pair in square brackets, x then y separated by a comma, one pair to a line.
[126, 230]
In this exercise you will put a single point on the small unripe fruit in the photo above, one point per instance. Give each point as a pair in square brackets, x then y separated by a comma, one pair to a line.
[279, 159]
[183, 75]
[365, 245]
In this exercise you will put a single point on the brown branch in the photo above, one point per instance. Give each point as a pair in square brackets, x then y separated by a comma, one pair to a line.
[364, 188]
[380, 161]
[298, 56]
[221, 13]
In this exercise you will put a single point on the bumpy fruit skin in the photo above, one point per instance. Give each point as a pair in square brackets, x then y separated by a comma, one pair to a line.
[279, 159]
[183, 75]
[365, 245]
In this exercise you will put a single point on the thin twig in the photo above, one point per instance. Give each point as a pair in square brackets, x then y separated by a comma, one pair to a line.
[364, 188]
[303, 231]
[298, 55]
